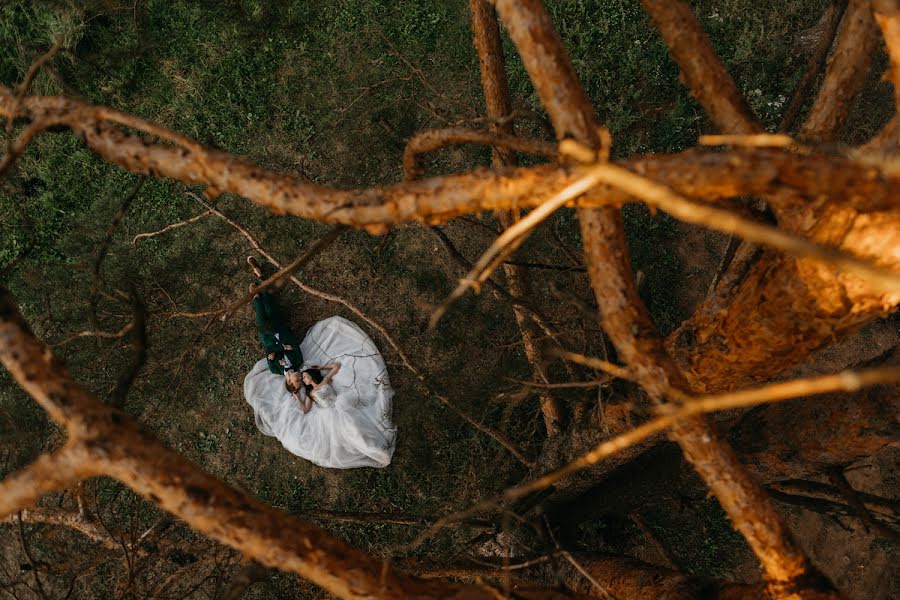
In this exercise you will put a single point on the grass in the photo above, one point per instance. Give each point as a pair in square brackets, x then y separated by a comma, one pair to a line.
[330, 91]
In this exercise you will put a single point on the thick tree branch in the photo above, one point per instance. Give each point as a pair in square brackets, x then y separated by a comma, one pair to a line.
[701, 174]
[49, 473]
[829, 23]
[486, 35]
[701, 68]
[628, 324]
[845, 74]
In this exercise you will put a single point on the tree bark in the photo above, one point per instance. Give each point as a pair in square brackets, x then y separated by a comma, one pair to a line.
[496, 95]
[629, 579]
[628, 324]
[770, 321]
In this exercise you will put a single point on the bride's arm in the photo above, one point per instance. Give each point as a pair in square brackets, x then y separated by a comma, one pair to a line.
[305, 404]
[334, 368]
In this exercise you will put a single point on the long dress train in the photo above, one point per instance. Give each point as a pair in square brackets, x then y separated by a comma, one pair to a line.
[357, 430]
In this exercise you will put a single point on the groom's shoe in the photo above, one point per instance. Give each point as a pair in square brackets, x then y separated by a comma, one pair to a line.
[251, 260]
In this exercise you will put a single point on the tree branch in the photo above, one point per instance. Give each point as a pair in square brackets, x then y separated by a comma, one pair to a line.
[701, 68]
[845, 74]
[829, 23]
[168, 228]
[705, 174]
[627, 323]
[52, 472]
[435, 139]
[486, 35]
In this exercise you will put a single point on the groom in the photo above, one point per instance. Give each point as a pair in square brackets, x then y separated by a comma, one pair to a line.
[281, 345]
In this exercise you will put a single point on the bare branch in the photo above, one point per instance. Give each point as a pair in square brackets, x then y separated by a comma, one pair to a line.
[139, 320]
[845, 74]
[829, 22]
[562, 386]
[109, 335]
[15, 149]
[709, 175]
[49, 473]
[435, 139]
[392, 519]
[701, 68]
[486, 36]
[31, 562]
[168, 228]
[858, 507]
[883, 506]
[68, 519]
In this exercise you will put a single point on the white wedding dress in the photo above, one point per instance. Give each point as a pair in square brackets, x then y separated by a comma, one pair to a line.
[352, 429]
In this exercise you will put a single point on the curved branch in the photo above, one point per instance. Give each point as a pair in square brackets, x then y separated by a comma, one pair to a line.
[435, 139]
[52, 472]
[170, 227]
[703, 174]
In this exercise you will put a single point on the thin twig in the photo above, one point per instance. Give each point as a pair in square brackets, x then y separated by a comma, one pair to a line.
[139, 322]
[14, 150]
[31, 562]
[517, 233]
[170, 227]
[109, 335]
[562, 386]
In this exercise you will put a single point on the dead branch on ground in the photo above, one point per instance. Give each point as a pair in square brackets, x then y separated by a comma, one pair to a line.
[170, 227]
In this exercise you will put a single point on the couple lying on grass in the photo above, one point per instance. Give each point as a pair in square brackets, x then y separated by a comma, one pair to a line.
[327, 398]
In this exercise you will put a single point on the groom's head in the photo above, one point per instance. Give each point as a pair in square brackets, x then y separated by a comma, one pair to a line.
[292, 381]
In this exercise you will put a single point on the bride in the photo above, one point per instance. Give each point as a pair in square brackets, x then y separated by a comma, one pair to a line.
[336, 412]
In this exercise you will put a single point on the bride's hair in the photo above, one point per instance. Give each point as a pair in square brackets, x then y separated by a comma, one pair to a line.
[316, 376]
